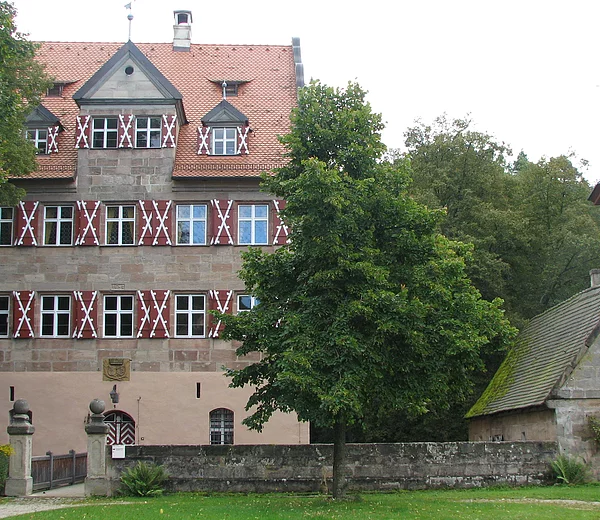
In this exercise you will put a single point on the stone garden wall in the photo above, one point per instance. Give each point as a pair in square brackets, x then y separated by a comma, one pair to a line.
[307, 468]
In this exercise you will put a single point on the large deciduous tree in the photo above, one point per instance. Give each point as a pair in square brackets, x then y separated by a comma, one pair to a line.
[367, 307]
[22, 82]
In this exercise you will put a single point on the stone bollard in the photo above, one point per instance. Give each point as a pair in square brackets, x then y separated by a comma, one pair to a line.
[19, 482]
[96, 481]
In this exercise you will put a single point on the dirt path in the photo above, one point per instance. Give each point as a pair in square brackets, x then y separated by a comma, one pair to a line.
[21, 506]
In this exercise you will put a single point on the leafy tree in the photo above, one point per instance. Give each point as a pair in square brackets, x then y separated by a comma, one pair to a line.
[464, 171]
[561, 232]
[22, 82]
[368, 308]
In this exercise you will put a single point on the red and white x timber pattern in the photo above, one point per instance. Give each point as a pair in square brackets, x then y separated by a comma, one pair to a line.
[125, 132]
[168, 131]
[223, 222]
[89, 220]
[162, 210]
[153, 312]
[23, 314]
[222, 301]
[204, 140]
[52, 145]
[242, 132]
[146, 233]
[84, 131]
[85, 314]
[280, 230]
[26, 214]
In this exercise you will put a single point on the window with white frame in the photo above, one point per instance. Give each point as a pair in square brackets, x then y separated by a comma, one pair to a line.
[221, 426]
[104, 132]
[224, 141]
[246, 302]
[253, 224]
[191, 224]
[120, 225]
[56, 316]
[118, 316]
[58, 225]
[6, 226]
[39, 137]
[148, 132]
[4, 314]
[190, 315]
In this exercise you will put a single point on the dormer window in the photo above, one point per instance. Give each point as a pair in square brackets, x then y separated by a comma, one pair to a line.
[224, 141]
[39, 138]
[224, 132]
[56, 90]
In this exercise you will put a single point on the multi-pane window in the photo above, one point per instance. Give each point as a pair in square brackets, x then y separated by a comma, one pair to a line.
[191, 224]
[147, 132]
[246, 302]
[118, 316]
[56, 316]
[221, 426]
[253, 224]
[39, 137]
[4, 312]
[224, 141]
[120, 225]
[6, 226]
[58, 225]
[189, 315]
[104, 132]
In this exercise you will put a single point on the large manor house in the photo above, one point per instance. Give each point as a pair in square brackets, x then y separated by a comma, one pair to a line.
[145, 195]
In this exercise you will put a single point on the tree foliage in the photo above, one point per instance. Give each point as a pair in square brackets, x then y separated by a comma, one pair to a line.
[535, 238]
[22, 82]
[368, 307]
[535, 234]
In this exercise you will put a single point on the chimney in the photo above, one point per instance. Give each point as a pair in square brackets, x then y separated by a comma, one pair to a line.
[182, 31]
[595, 278]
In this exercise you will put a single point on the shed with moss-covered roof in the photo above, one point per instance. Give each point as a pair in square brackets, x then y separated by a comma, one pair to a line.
[549, 383]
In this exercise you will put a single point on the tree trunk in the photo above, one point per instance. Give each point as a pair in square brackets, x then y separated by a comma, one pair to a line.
[339, 457]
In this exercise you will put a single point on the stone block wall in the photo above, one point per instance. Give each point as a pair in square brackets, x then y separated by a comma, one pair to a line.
[308, 468]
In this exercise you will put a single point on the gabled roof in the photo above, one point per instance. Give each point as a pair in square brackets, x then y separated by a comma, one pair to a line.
[42, 116]
[129, 50]
[545, 353]
[266, 99]
[224, 113]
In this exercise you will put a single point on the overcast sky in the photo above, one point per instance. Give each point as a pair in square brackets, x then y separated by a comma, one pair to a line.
[526, 71]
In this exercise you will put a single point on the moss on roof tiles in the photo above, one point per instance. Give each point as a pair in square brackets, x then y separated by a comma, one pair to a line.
[544, 352]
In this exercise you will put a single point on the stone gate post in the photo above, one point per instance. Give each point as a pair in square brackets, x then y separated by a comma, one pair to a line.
[19, 482]
[96, 482]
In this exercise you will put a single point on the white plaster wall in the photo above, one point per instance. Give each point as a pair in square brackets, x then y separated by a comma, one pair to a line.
[164, 406]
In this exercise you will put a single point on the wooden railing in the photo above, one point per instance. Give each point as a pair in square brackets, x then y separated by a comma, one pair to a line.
[54, 471]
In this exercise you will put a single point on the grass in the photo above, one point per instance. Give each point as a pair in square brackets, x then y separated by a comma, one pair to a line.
[530, 503]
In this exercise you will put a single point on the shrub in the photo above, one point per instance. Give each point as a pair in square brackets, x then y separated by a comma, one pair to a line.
[6, 451]
[570, 470]
[144, 480]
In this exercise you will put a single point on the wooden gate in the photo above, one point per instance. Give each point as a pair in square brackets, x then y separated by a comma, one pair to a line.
[121, 428]
[53, 471]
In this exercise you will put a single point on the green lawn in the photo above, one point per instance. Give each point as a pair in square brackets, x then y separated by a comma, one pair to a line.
[532, 503]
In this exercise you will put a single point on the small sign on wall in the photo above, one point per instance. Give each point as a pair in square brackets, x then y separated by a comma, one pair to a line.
[118, 451]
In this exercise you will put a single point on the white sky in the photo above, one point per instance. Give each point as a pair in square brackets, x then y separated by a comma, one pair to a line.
[525, 70]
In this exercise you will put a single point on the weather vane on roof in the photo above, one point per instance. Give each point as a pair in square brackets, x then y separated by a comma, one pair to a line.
[129, 17]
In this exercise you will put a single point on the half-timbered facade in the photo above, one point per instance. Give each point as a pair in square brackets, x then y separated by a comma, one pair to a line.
[146, 193]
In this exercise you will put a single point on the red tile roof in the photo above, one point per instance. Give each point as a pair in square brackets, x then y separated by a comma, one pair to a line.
[266, 99]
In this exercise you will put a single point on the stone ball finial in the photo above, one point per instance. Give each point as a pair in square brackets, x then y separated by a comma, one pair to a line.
[21, 406]
[97, 406]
